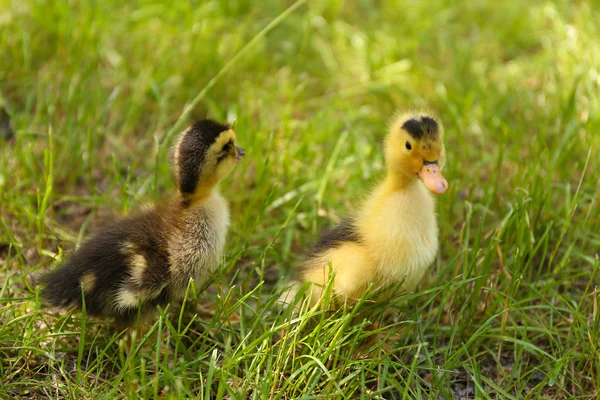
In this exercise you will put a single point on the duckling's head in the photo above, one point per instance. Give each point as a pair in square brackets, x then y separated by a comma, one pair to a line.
[204, 154]
[415, 150]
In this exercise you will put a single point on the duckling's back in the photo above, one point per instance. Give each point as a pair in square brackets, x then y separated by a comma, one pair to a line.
[137, 263]
[124, 264]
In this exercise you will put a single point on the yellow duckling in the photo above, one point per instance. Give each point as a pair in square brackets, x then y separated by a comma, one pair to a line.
[393, 238]
[147, 259]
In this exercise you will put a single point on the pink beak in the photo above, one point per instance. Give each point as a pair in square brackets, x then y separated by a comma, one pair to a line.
[432, 177]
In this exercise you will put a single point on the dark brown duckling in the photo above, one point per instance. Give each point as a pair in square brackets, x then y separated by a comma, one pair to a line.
[139, 262]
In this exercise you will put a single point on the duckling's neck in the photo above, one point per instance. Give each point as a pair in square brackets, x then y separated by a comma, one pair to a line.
[395, 182]
[199, 197]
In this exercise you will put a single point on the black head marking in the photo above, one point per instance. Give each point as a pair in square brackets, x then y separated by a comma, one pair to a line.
[207, 130]
[426, 127]
[192, 151]
[430, 126]
[413, 127]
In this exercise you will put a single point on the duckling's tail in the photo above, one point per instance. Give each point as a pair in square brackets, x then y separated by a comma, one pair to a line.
[62, 287]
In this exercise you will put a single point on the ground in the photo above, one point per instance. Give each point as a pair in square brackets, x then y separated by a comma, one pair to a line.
[92, 94]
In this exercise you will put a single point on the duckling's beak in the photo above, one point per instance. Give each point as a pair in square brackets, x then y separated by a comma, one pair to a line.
[432, 177]
[240, 153]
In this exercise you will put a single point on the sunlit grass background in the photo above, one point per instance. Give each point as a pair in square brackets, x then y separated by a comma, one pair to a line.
[94, 91]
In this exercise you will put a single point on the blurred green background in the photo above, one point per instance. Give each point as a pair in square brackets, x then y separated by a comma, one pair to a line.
[94, 92]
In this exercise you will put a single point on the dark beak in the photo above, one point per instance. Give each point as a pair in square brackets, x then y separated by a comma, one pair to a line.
[240, 153]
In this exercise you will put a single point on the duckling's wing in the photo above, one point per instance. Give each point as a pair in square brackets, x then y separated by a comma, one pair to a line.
[146, 279]
[345, 231]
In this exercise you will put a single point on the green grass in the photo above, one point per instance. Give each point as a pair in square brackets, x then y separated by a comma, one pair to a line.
[95, 91]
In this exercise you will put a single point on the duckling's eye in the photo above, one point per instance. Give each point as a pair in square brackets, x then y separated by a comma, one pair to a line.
[225, 151]
[227, 146]
[408, 146]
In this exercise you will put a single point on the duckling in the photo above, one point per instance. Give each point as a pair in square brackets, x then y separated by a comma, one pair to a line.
[147, 259]
[393, 238]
